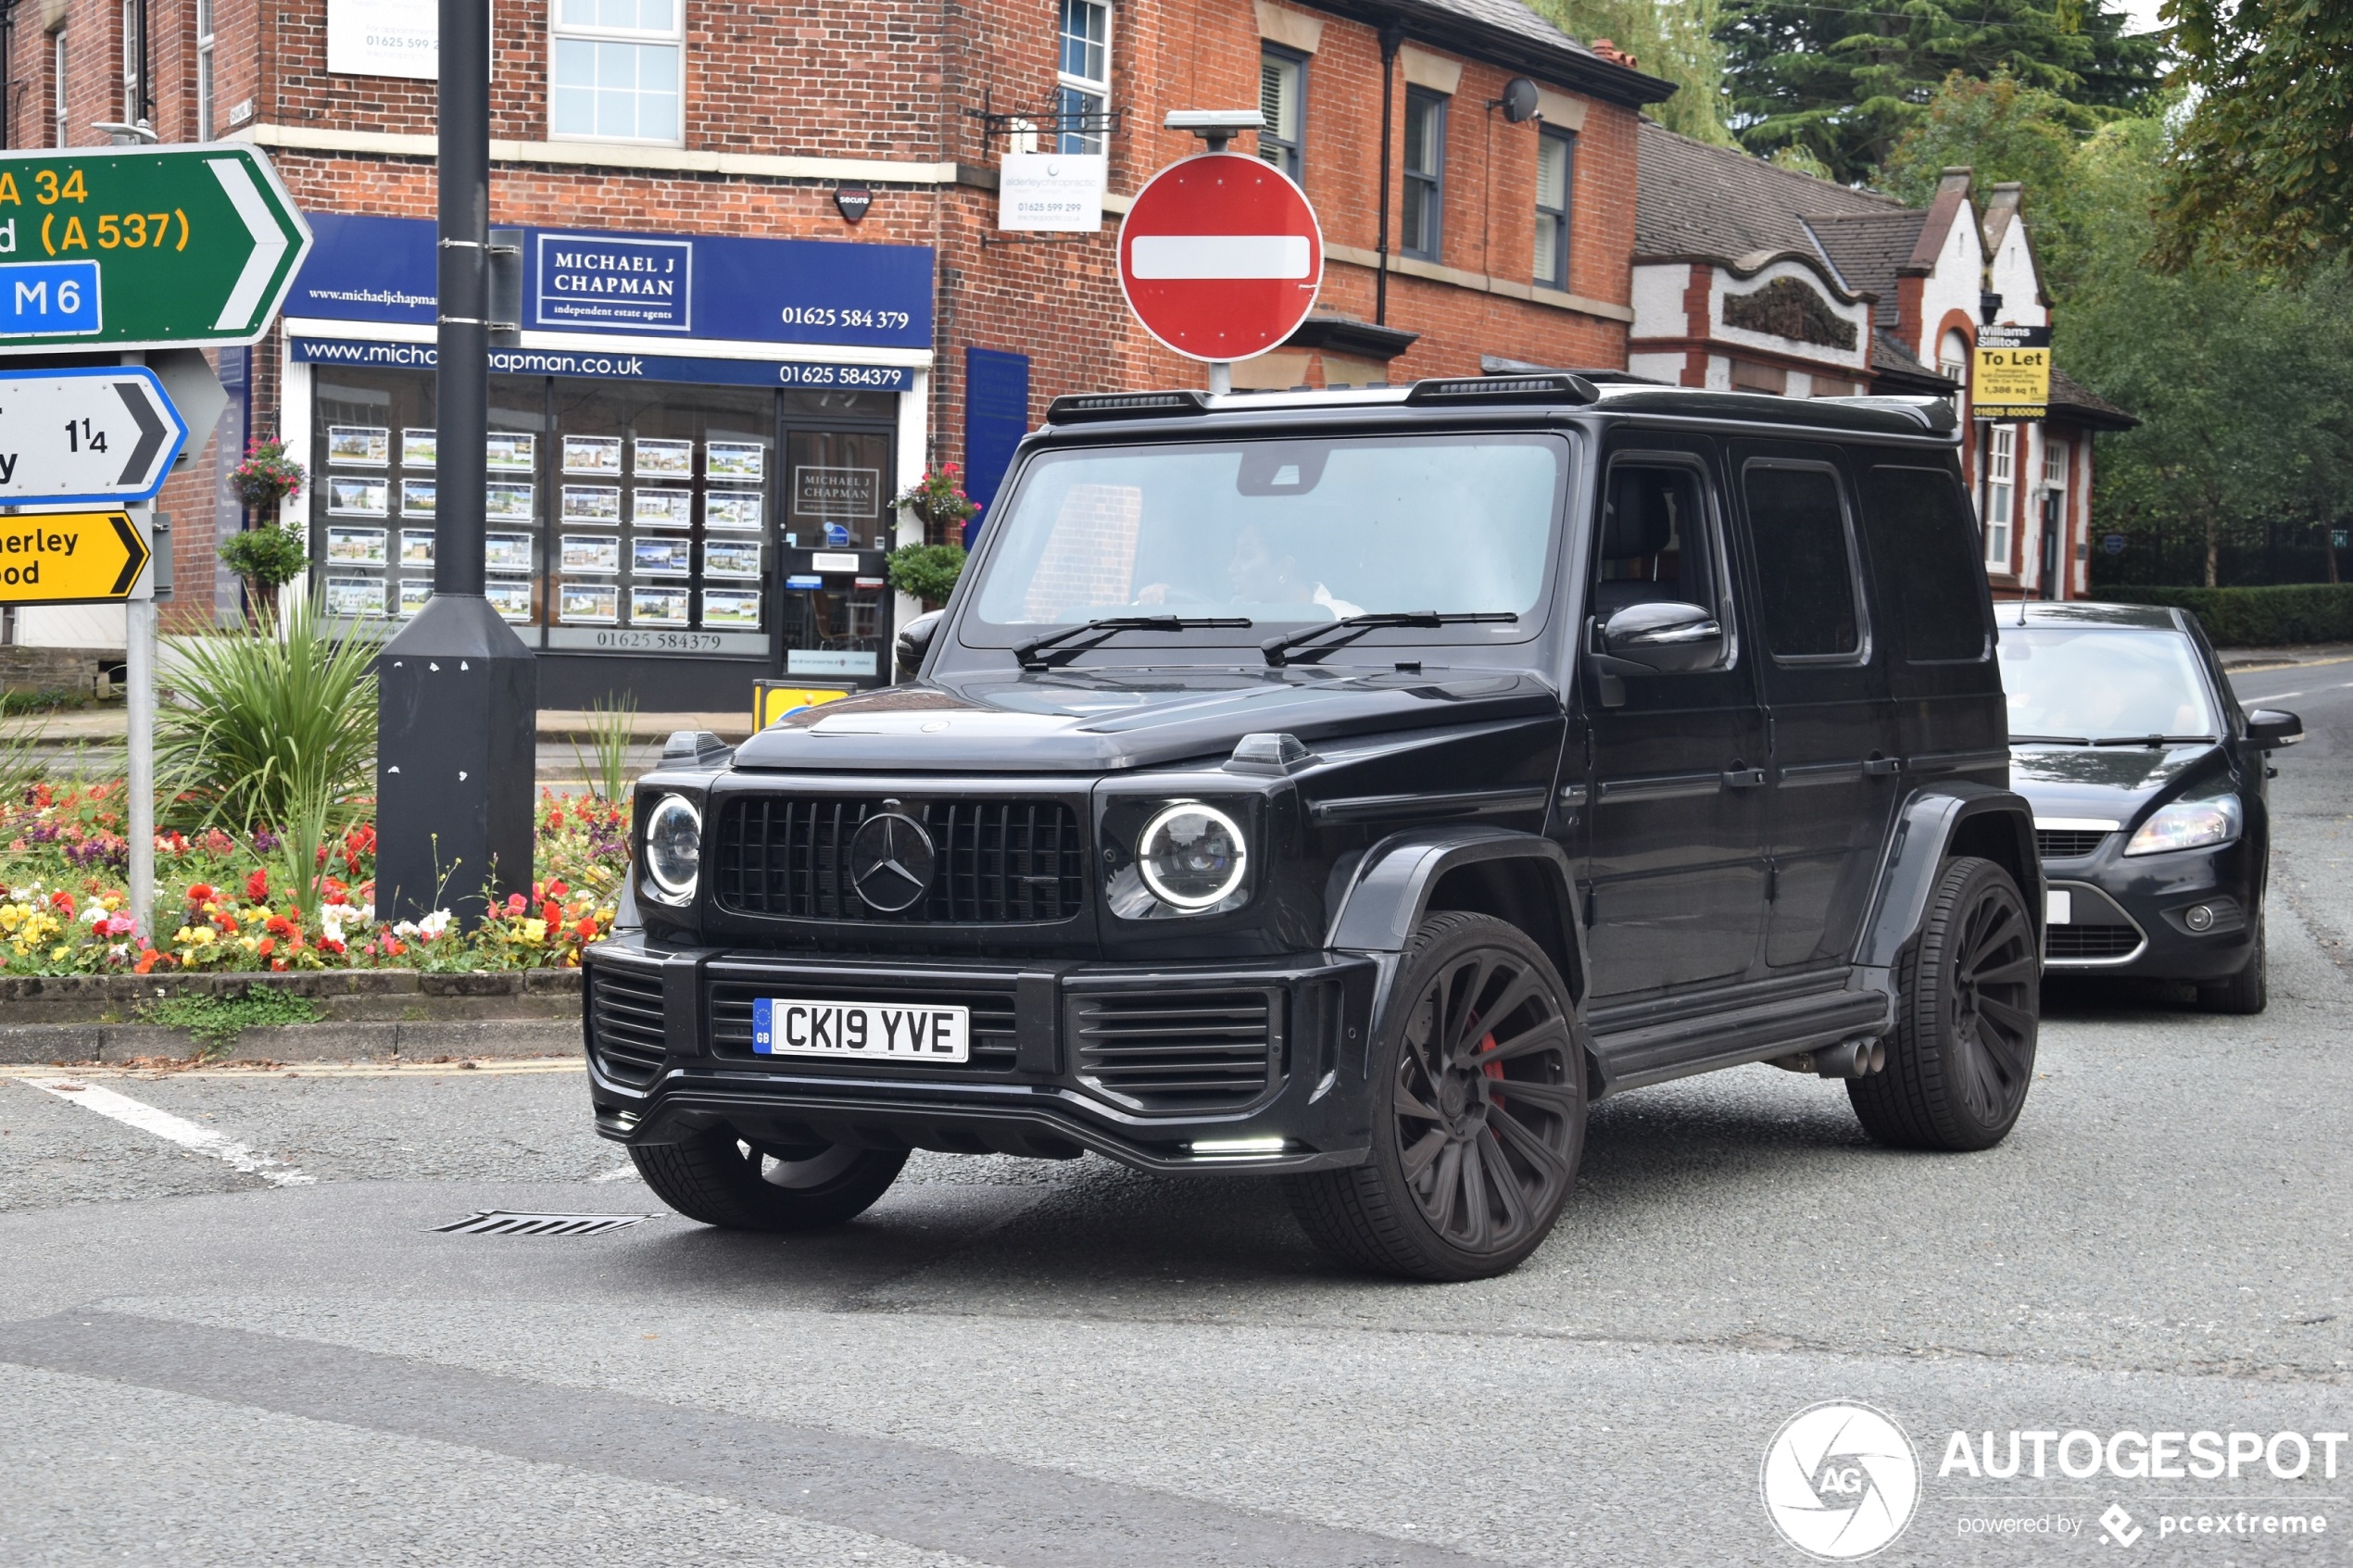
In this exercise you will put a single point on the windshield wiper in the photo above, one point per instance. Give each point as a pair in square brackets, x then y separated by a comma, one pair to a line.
[2050, 740]
[1027, 654]
[1278, 649]
[2154, 740]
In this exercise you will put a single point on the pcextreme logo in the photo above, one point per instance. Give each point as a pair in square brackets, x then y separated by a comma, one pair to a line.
[1840, 1481]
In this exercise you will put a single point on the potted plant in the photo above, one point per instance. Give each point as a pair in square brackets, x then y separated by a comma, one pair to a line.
[937, 500]
[268, 476]
[926, 571]
[267, 558]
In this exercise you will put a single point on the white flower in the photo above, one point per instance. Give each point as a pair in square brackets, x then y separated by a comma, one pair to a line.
[434, 925]
[332, 918]
[95, 913]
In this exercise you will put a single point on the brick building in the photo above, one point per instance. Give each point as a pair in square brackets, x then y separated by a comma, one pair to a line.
[693, 487]
[1750, 276]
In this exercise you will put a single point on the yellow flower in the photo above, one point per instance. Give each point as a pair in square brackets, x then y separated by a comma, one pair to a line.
[198, 937]
[11, 916]
[59, 951]
[534, 930]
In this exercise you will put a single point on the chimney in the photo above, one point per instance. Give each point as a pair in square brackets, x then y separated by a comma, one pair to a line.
[1956, 180]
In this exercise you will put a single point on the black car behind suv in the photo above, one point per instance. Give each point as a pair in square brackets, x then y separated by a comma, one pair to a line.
[1353, 787]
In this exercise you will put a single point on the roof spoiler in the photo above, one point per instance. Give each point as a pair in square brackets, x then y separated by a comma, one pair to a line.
[1935, 413]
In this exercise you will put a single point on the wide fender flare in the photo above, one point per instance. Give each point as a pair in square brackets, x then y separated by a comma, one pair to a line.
[1931, 819]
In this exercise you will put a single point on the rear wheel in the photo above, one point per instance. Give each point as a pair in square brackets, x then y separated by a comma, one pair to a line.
[2248, 991]
[723, 1180]
[1961, 1056]
[1478, 1112]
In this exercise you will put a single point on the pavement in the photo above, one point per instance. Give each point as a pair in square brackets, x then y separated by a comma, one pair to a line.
[229, 1332]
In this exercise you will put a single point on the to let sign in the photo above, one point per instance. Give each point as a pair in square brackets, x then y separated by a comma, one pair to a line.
[1220, 256]
[2013, 375]
[70, 558]
[144, 247]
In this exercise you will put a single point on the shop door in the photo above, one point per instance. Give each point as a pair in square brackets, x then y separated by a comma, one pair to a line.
[836, 618]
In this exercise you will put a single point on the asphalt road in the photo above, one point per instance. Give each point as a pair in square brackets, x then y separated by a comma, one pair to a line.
[1023, 1363]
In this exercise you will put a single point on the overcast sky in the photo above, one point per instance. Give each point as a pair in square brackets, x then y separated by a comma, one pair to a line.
[2142, 12]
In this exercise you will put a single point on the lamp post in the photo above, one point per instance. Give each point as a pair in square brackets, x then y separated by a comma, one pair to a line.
[456, 727]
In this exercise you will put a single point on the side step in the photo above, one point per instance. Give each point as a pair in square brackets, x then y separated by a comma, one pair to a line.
[1745, 1027]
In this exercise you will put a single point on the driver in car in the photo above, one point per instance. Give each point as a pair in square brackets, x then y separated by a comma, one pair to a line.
[1260, 577]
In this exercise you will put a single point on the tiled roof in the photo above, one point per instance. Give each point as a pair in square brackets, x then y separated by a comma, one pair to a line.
[1509, 33]
[1889, 357]
[1694, 200]
[1869, 250]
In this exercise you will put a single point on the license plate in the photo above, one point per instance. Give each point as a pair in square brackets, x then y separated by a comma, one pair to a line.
[2059, 908]
[864, 1031]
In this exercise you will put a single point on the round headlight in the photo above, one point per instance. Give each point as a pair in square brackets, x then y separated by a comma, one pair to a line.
[674, 849]
[1192, 855]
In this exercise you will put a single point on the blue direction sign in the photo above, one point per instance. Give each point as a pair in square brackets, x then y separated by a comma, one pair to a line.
[101, 434]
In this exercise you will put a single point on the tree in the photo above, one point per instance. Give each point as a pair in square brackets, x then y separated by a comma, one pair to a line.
[1676, 42]
[2002, 129]
[2243, 381]
[1845, 79]
[2262, 170]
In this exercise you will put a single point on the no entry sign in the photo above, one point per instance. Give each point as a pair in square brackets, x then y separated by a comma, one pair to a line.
[1220, 256]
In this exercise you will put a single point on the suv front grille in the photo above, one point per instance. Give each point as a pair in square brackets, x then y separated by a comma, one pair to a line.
[2067, 844]
[993, 1020]
[1177, 1050]
[997, 863]
[625, 1025]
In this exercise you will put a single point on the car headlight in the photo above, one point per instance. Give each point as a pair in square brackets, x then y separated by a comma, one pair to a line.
[673, 849]
[2188, 825]
[1192, 855]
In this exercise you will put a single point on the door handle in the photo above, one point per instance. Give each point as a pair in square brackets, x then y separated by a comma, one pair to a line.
[1880, 767]
[1744, 778]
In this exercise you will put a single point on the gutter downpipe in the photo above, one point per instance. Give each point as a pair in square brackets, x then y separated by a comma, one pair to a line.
[1392, 38]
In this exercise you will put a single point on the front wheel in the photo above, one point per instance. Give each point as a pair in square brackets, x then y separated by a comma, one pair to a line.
[1478, 1109]
[2246, 992]
[1962, 1053]
[723, 1180]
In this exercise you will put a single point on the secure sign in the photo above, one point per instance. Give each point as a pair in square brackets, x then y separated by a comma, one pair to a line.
[1220, 256]
[70, 558]
[143, 248]
[105, 434]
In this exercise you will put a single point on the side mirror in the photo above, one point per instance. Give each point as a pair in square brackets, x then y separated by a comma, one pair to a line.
[914, 641]
[2267, 727]
[1668, 637]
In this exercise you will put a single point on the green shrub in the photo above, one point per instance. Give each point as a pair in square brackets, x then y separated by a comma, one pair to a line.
[216, 1021]
[270, 731]
[2257, 618]
[267, 557]
[927, 571]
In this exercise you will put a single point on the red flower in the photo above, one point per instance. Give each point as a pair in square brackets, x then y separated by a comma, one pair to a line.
[200, 892]
[62, 899]
[515, 904]
[258, 888]
[587, 929]
[266, 946]
[552, 914]
[279, 925]
[556, 890]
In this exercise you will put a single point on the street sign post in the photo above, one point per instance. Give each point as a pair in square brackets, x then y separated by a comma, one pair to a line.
[1220, 256]
[145, 247]
[72, 557]
[93, 435]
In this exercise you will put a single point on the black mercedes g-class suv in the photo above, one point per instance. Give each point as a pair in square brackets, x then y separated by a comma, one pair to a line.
[1353, 786]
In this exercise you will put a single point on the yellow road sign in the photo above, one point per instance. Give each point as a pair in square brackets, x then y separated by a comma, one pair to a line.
[2013, 373]
[70, 558]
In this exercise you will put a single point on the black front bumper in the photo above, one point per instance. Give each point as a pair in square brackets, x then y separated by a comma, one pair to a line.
[1143, 1063]
[2137, 915]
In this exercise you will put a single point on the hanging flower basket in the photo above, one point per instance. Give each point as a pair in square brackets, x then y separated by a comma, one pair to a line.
[268, 476]
[939, 502]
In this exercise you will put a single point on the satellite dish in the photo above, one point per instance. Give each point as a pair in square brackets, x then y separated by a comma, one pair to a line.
[1519, 100]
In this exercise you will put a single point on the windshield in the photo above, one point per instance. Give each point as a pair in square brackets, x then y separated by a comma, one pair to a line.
[2095, 685]
[1279, 532]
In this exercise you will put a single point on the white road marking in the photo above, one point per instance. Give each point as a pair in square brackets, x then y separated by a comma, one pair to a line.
[2274, 697]
[1218, 256]
[172, 1129]
[627, 1173]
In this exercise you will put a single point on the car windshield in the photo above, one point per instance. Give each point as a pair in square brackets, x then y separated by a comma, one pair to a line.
[1279, 532]
[2102, 683]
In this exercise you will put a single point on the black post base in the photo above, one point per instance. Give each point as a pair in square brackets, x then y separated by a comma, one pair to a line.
[456, 758]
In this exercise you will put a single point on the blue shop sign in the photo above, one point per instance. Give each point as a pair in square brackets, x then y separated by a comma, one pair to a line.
[365, 268]
[306, 350]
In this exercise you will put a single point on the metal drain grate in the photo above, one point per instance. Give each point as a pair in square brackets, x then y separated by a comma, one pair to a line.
[501, 1221]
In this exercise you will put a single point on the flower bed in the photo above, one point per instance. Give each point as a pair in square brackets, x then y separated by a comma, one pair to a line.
[227, 902]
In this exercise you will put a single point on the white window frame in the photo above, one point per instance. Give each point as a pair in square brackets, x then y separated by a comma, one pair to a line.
[1075, 93]
[206, 24]
[560, 31]
[1429, 242]
[2001, 476]
[60, 125]
[1556, 220]
[2055, 463]
[1285, 148]
[131, 93]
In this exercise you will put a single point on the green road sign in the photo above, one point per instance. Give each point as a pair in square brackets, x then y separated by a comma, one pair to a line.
[141, 248]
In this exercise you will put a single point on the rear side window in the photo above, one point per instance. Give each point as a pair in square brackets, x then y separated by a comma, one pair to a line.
[1926, 551]
[1805, 560]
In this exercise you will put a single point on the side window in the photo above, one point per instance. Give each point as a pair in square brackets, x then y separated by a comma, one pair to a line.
[1805, 560]
[1926, 550]
[1655, 540]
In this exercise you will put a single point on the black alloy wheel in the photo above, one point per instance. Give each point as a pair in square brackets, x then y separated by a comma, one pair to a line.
[1961, 1056]
[723, 1180]
[1478, 1090]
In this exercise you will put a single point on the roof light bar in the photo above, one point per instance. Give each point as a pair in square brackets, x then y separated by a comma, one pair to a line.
[1124, 405]
[1552, 387]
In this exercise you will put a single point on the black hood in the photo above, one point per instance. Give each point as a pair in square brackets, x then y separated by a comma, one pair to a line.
[2108, 781]
[1099, 720]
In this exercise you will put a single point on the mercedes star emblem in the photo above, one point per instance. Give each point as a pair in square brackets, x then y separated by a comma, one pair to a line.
[890, 861]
